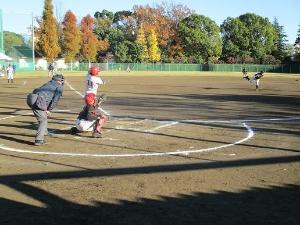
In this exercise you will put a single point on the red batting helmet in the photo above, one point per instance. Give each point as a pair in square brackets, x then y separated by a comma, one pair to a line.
[94, 70]
[90, 98]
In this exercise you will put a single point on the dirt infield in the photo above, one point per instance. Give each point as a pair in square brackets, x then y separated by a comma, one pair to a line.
[177, 150]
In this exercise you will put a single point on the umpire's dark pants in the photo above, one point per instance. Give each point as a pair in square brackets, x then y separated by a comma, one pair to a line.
[42, 119]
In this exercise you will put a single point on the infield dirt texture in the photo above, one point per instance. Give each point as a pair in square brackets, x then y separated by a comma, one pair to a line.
[177, 150]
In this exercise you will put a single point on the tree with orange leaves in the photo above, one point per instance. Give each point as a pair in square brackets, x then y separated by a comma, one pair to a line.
[71, 37]
[89, 41]
[164, 19]
[153, 19]
[47, 37]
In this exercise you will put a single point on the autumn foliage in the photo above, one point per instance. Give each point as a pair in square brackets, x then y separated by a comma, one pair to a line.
[165, 32]
[153, 49]
[89, 41]
[71, 37]
[47, 42]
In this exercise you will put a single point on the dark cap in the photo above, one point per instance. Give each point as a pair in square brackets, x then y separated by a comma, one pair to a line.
[58, 77]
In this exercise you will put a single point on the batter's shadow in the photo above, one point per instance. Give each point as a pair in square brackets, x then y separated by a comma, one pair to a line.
[14, 139]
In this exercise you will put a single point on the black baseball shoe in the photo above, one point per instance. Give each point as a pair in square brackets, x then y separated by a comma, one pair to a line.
[73, 130]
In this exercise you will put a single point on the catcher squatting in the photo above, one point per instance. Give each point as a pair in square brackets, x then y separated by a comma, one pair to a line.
[44, 99]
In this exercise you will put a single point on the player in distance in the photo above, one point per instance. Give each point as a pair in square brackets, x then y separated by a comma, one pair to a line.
[256, 78]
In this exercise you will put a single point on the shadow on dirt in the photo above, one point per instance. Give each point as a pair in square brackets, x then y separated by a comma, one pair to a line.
[14, 139]
[272, 205]
[265, 99]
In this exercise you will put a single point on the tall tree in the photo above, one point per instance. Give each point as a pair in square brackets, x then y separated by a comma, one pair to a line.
[103, 28]
[176, 51]
[103, 45]
[201, 38]
[163, 19]
[135, 51]
[12, 39]
[297, 46]
[89, 41]
[175, 13]
[234, 43]
[142, 41]
[125, 21]
[298, 33]
[154, 19]
[71, 37]
[121, 53]
[128, 52]
[154, 51]
[104, 14]
[280, 51]
[297, 41]
[47, 42]
[249, 35]
[103, 23]
[116, 37]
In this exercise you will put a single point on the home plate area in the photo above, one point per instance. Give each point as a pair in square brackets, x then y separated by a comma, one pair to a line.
[148, 137]
[124, 137]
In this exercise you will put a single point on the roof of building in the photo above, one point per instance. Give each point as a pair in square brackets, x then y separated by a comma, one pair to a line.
[22, 52]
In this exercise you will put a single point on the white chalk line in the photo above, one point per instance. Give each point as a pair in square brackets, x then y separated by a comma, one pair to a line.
[242, 121]
[148, 130]
[215, 121]
[162, 126]
[9, 117]
[73, 89]
[177, 152]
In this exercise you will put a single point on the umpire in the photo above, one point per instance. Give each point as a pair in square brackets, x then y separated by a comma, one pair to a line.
[42, 100]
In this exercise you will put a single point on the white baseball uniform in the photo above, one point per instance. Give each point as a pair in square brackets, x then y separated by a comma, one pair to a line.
[92, 84]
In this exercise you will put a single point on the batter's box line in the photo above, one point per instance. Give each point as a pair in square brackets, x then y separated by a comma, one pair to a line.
[164, 153]
[152, 130]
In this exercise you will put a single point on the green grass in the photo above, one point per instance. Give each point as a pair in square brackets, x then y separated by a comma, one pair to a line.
[44, 74]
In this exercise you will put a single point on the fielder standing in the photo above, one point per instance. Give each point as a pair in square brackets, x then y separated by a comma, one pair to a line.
[51, 69]
[10, 74]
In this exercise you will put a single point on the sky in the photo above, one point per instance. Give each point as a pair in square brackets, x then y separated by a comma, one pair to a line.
[17, 14]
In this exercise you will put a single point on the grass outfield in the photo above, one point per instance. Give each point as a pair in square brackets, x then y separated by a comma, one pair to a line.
[25, 74]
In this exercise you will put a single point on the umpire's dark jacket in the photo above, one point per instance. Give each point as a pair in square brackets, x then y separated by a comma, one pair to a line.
[48, 95]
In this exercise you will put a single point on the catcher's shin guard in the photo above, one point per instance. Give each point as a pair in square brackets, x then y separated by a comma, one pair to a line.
[99, 123]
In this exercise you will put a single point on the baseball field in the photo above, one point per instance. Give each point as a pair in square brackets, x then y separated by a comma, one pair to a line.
[178, 149]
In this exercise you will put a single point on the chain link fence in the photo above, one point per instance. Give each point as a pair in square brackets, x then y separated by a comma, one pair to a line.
[291, 68]
[27, 65]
